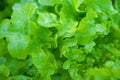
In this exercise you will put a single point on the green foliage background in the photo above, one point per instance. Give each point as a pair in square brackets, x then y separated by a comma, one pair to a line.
[59, 40]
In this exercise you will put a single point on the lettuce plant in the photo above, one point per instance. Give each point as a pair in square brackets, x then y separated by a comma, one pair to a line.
[60, 40]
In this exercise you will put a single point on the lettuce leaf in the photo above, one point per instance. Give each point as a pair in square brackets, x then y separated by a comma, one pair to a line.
[60, 40]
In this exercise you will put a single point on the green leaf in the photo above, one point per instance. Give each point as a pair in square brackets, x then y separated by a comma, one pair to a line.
[59, 40]
[18, 45]
[2, 60]
[21, 17]
[46, 19]
[67, 30]
[89, 47]
[117, 2]
[100, 28]
[25, 11]
[4, 26]
[74, 72]
[106, 5]
[4, 71]
[3, 49]
[116, 69]
[115, 19]
[64, 51]
[67, 64]
[46, 2]
[77, 54]
[20, 77]
[70, 42]
[112, 49]
[103, 5]
[77, 3]
[44, 34]
[98, 74]
[88, 21]
[45, 63]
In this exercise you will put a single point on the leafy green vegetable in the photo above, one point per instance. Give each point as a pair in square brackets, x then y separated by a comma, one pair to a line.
[60, 40]
[47, 19]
